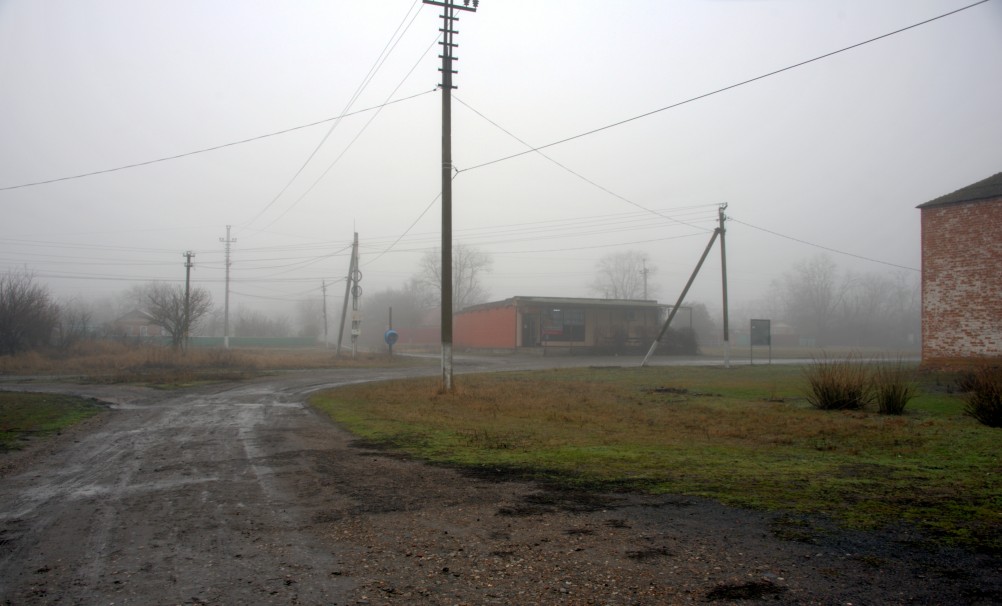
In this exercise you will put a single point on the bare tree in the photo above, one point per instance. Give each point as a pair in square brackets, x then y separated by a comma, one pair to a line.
[168, 309]
[879, 309]
[850, 308]
[76, 322]
[27, 313]
[411, 305]
[252, 323]
[622, 275]
[468, 268]
[812, 294]
[310, 317]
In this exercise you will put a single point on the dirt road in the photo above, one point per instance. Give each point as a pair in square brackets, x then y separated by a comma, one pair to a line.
[239, 494]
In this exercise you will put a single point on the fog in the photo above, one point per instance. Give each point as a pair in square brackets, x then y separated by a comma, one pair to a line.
[829, 157]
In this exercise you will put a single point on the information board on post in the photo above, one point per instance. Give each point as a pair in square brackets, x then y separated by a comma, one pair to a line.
[760, 334]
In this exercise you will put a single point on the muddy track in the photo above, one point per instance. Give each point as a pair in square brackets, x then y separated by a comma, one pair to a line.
[240, 494]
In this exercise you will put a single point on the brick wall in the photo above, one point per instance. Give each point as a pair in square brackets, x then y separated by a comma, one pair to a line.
[962, 281]
[490, 328]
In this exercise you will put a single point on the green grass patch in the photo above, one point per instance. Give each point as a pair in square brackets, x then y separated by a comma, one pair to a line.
[746, 436]
[27, 415]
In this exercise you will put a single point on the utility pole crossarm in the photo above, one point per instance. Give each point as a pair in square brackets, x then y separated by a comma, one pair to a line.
[464, 7]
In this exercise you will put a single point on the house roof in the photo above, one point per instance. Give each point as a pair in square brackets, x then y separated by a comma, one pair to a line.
[982, 190]
[568, 302]
[136, 315]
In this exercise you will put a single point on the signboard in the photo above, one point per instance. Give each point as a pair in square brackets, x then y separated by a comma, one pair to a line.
[761, 333]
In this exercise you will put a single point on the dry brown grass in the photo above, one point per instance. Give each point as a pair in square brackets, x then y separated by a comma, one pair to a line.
[745, 436]
[551, 414]
[109, 361]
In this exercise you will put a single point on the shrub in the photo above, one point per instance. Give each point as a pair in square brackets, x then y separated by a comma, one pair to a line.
[984, 395]
[839, 384]
[892, 388]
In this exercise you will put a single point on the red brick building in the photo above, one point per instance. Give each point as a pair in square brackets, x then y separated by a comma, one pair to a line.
[962, 275]
[559, 323]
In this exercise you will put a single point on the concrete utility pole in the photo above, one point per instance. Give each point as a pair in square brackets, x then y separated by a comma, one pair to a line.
[644, 273]
[681, 298]
[719, 231]
[352, 272]
[226, 297]
[723, 278]
[448, 30]
[188, 264]
[356, 294]
[323, 287]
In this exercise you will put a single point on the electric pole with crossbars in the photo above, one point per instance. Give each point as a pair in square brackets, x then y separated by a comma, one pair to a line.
[448, 29]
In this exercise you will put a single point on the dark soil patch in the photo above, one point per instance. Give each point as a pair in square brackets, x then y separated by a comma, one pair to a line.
[752, 590]
[647, 554]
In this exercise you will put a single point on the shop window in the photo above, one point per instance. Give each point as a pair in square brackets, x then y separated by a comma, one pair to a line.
[564, 325]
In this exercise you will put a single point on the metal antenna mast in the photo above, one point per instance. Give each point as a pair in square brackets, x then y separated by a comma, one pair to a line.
[449, 19]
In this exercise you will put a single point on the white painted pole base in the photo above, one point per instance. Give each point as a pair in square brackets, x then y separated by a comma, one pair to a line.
[447, 366]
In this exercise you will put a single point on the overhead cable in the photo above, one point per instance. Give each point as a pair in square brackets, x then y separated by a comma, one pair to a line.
[214, 147]
[828, 248]
[352, 142]
[726, 88]
[575, 173]
[380, 60]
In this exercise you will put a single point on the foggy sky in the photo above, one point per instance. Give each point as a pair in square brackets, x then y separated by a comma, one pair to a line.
[835, 153]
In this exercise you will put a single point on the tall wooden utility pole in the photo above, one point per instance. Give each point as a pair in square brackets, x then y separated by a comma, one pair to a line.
[226, 297]
[187, 296]
[449, 19]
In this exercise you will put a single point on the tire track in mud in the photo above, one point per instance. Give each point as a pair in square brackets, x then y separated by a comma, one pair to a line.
[175, 502]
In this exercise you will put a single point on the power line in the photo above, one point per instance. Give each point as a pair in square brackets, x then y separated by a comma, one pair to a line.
[575, 173]
[213, 148]
[595, 246]
[352, 142]
[409, 228]
[541, 230]
[828, 248]
[726, 88]
[380, 59]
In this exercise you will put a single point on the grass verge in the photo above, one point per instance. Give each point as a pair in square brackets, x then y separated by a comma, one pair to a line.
[745, 436]
[27, 415]
[160, 366]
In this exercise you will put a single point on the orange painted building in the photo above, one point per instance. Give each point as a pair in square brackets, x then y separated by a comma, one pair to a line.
[574, 324]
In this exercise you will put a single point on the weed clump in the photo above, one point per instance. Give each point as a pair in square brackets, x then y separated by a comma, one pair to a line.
[984, 395]
[892, 388]
[837, 384]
